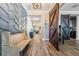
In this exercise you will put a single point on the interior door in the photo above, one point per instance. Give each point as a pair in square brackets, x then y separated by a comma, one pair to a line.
[53, 28]
[65, 27]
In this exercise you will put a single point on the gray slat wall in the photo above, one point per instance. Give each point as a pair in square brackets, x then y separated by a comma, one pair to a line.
[12, 17]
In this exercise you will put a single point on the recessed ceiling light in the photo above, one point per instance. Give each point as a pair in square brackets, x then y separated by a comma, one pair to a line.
[74, 6]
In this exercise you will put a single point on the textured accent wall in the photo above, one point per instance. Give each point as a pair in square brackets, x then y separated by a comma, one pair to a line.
[12, 17]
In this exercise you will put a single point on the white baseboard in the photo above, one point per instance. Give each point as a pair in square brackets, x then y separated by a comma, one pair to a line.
[77, 38]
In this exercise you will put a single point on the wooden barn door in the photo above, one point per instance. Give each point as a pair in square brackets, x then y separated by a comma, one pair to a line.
[53, 26]
[65, 27]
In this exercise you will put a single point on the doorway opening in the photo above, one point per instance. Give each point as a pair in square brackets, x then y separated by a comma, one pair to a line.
[68, 28]
[69, 36]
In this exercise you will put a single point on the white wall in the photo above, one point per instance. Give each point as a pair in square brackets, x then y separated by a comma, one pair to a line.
[29, 25]
[45, 30]
[69, 12]
[77, 28]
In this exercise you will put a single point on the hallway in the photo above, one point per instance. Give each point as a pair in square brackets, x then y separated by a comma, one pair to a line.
[36, 29]
[20, 22]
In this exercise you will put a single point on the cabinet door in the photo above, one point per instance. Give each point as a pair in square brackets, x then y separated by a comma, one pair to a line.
[53, 29]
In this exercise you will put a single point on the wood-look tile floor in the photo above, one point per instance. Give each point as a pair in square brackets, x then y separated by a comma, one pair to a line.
[38, 47]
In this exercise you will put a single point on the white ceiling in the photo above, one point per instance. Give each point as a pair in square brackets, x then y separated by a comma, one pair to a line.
[70, 7]
[44, 7]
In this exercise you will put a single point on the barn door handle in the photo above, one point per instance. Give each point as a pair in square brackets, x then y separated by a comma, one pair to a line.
[52, 28]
